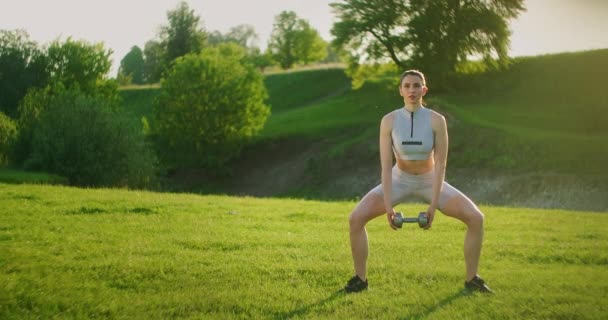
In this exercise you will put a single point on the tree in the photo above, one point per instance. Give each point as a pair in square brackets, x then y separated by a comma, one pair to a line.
[259, 59]
[183, 34]
[431, 35]
[215, 37]
[333, 56]
[22, 66]
[71, 65]
[154, 61]
[84, 65]
[78, 63]
[209, 106]
[132, 64]
[310, 47]
[293, 40]
[8, 133]
[243, 35]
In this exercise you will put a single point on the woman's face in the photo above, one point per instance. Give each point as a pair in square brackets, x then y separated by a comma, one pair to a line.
[412, 89]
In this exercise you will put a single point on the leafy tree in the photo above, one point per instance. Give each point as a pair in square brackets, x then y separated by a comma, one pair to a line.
[215, 37]
[22, 66]
[293, 40]
[243, 35]
[310, 47]
[154, 61]
[259, 59]
[83, 65]
[332, 55]
[71, 65]
[8, 133]
[209, 106]
[183, 34]
[78, 63]
[132, 64]
[431, 35]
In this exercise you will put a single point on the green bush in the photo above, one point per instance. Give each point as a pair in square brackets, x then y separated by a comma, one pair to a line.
[209, 105]
[8, 133]
[90, 143]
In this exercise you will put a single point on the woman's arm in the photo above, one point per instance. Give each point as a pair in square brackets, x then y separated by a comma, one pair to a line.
[440, 156]
[386, 162]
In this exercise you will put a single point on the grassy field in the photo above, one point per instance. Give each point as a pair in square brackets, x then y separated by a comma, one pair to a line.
[78, 253]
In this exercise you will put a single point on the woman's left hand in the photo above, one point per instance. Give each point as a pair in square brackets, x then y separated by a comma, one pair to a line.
[430, 215]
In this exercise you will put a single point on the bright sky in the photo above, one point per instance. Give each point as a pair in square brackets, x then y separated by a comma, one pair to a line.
[548, 26]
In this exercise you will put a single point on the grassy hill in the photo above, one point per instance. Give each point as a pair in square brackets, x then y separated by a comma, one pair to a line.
[534, 135]
[98, 253]
[555, 103]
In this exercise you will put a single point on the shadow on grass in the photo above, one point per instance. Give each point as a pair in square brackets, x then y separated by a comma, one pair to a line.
[14, 176]
[303, 310]
[440, 304]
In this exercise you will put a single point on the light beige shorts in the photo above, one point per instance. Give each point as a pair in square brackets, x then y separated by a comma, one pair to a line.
[407, 187]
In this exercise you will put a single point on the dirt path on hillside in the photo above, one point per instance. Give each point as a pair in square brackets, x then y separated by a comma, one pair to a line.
[299, 169]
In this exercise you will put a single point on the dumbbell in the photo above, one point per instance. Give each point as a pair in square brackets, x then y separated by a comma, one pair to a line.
[399, 220]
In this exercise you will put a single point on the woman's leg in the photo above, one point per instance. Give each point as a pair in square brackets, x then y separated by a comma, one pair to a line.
[370, 207]
[457, 205]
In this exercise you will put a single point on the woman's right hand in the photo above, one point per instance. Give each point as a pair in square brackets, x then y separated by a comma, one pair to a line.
[390, 214]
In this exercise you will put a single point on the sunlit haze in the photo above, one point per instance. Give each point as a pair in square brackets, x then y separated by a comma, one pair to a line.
[548, 26]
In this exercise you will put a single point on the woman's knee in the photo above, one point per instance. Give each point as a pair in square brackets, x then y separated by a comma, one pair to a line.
[356, 220]
[476, 219]
[465, 210]
[369, 208]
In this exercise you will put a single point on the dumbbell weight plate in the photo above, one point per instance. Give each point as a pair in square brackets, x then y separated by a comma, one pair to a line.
[423, 221]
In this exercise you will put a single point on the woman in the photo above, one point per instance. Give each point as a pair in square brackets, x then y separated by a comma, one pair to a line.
[418, 139]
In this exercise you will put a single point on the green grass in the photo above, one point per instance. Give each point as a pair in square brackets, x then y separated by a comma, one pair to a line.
[288, 90]
[563, 93]
[360, 109]
[77, 253]
[552, 107]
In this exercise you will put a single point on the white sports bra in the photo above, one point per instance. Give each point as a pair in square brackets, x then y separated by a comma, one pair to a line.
[412, 134]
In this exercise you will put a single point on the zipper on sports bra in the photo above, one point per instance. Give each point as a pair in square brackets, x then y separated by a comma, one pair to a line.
[412, 126]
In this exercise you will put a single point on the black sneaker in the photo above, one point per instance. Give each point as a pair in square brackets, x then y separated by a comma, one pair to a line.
[477, 284]
[355, 284]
